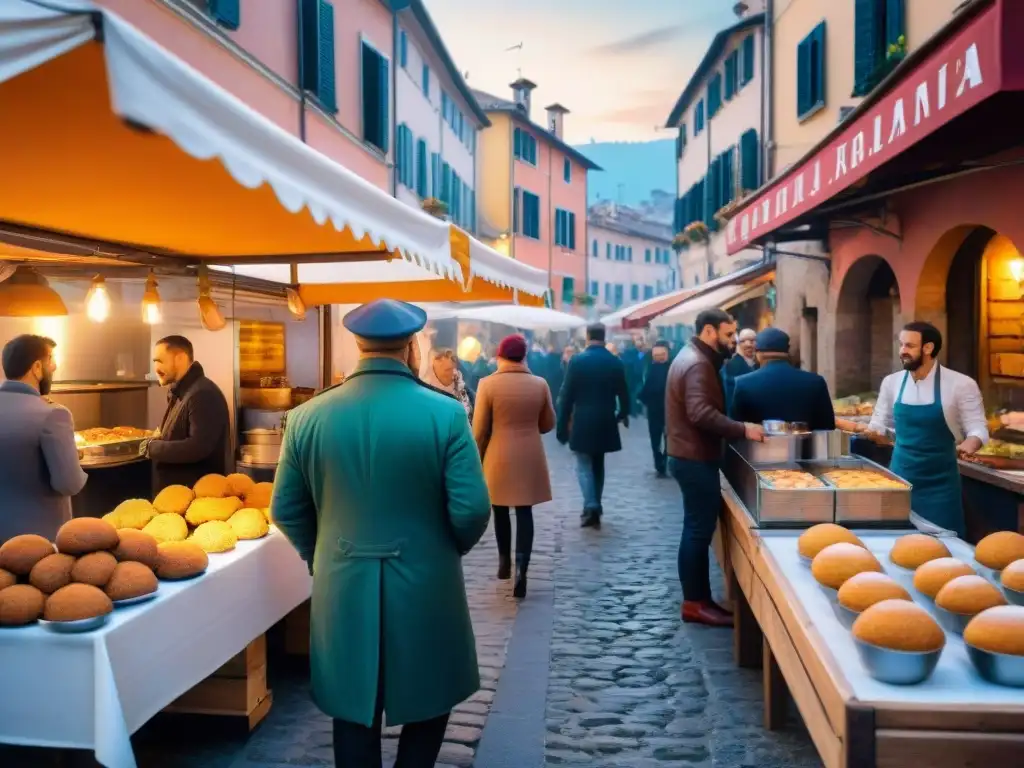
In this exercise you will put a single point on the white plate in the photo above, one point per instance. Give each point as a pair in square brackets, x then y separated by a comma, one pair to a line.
[73, 627]
[134, 600]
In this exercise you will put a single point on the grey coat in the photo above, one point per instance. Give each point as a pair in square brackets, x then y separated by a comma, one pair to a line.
[39, 468]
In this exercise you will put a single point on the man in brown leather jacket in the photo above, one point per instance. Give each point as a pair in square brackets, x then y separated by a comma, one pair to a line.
[696, 430]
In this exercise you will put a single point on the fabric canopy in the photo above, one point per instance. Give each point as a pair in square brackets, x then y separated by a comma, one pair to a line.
[615, 319]
[108, 137]
[524, 318]
[725, 297]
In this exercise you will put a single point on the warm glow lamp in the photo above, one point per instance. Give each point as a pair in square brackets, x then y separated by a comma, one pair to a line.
[295, 304]
[210, 316]
[97, 300]
[469, 349]
[1017, 269]
[27, 294]
[151, 302]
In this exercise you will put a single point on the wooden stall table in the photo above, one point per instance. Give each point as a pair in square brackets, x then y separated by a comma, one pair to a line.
[782, 625]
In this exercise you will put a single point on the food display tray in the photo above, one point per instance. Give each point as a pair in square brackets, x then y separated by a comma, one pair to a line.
[777, 507]
[104, 454]
[866, 506]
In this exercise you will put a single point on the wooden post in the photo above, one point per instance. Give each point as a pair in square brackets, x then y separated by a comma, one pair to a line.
[776, 692]
[747, 635]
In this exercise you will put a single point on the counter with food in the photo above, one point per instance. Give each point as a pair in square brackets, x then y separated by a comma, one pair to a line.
[898, 648]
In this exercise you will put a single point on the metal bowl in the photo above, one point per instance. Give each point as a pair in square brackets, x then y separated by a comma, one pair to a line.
[897, 667]
[952, 622]
[134, 600]
[74, 627]
[845, 615]
[1013, 596]
[998, 668]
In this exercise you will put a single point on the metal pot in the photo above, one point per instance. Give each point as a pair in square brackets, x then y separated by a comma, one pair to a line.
[263, 437]
[828, 444]
[261, 454]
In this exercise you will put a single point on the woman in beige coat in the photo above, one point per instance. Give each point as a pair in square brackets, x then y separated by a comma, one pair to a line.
[513, 409]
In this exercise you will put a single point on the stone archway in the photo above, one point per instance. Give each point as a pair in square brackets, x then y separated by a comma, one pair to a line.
[867, 317]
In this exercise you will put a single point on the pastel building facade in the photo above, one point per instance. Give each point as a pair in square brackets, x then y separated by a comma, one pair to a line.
[532, 196]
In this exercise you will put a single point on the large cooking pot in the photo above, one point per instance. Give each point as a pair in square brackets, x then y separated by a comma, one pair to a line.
[263, 436]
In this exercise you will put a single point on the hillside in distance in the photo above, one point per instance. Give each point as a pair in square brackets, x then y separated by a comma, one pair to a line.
[631, 170]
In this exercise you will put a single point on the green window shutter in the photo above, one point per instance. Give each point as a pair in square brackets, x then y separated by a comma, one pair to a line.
[371, 95]
[517, 140]
[446, 184]
[516, 208]
[803, 78]
[325, 59]
[403, 49]
[572, 231]
[472, 210]
[715, 95]
[647, 255]
[568, 290]
[227, 13]
[383, 75]
[567, 170]
[426, 81]
[731, 75]
[868, 44]
[309, 45]
[399, 154]
[894, 22]
[421, 168]
[748, 60]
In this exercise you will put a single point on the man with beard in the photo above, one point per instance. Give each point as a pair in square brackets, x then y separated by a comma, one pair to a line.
[937, 414]
[193, 438]
[39, 468]
[696, 429]
[652, 395]
[740, 364]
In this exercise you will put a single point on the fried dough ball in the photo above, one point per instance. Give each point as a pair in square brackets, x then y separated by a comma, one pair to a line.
[83, 535]
[167, 526]
[899, 625]
[999, 549]
[112, 518]
[94, 568]
[249, 524]
[130, 580]
[239, 485]
[969, 595]
[838, 562]
[174, 498]
[7, 579]
[215, 536]
[817, 537]
[205, 509]
[916, 549]
[997, 630]
[211, 486]
[266, 514]
[181, 560]
[20, 604]
[133, 513]
[932, 576]
[136, 546]
[75, 602]
[260, 495]
[51, 573]
[19, 553]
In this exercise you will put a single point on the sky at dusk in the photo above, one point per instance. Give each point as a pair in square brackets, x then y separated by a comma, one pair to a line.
[618, 65]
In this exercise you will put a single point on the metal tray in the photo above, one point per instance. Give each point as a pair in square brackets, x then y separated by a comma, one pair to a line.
[777, 507]
[866, 507]
[103, 454]
[135, 600]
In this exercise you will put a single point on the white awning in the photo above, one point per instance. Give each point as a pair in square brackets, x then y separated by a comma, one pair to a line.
[515, 316]
[614, 319]
[726, 297]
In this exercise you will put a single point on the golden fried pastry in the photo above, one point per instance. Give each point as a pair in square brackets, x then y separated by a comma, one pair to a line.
[20, 604]
[997, 630]
[130, 579]
[932, 576]
[249, 524]
[838, 562]
[19, 553]
[817, 537]
[915, 549]
[968, 595]
[260, 495]
[181, 560]
[266, 514]
[94, 568]
[899, 625]
[790, 478]
[7, 579]
[215, 536]
[1012, 576]
[133, 513]
[174, 498]
[861, 479]
[51, 573]
[136, 546]
[998, 550]
[167, 526]
[76, 602]
[239, 485]
[211, 486]
[83, 535]
[862, 590]
[204, 509]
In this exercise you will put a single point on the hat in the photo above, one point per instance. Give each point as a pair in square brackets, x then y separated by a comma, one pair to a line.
[772, 340]
[385, 320]
[512, 348]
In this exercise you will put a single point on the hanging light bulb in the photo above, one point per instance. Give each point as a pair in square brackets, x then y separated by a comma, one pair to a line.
[97, 300]
[210, 316]
[296, 305]
[151, 302]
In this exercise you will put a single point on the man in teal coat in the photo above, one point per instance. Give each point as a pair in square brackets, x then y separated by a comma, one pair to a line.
[381, 491]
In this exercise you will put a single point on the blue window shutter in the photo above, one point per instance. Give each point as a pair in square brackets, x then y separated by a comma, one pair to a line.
[567, 170]
[426, 81]
[868, 44]
[607, 250]
[383, 73]
[894, 23]
[309, 45]
[472, 209]
[227, 13]
[435, 175]
[516, 207]
[647, 255]
[325, 59]
[399, 151]
[731, 74]
[748, 60]
[517, 139]
[403, 49]
[446, 184]
[572, 231]
[803, 78]
[421, 168]
[819, 57]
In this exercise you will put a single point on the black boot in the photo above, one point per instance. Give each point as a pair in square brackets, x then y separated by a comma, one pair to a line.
[519, 588]
[503, 538]
[504, 567]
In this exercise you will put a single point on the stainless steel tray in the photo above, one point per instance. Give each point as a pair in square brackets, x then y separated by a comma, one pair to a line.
[777, 507]
[103, 454]
[866, 506]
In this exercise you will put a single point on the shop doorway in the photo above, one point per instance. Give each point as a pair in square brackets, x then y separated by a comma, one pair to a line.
[963, 303]
[867, 318]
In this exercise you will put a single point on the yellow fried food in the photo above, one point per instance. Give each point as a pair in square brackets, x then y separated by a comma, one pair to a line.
[174, 498]
[211, 486]
[181, 560]
[239, 484]
[133, 513]
[266, 514]
[215, 536]
[259, 496]
[167, 526]
[249, 523]
[205, 509]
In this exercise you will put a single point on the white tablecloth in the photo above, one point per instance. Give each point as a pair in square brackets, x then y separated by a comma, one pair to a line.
[93, 690]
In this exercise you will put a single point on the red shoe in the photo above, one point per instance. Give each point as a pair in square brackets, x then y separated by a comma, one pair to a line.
[705, 612]
[722, 608]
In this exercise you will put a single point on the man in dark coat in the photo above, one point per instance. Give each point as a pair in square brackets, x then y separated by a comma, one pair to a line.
[193, 439]
[593, 400]
[741, 363]
[652, 395]
[780, 390]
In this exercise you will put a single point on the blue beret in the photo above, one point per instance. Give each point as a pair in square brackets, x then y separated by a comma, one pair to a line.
[772, 340]
[385, 320]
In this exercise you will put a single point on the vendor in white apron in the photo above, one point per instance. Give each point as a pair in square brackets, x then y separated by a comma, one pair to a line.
[937, 414]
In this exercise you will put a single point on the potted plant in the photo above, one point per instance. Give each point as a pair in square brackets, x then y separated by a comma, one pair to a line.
[435, 207]
[583, 300]
[681, 242]
[697, 231]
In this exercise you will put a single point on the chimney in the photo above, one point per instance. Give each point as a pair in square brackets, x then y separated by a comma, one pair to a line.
[556, 116]
[521, 93]
[746, 8]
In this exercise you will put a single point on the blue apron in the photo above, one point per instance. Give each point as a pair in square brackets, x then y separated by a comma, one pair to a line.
[925, 455]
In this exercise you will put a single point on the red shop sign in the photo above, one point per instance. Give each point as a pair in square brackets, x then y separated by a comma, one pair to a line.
[952, 80]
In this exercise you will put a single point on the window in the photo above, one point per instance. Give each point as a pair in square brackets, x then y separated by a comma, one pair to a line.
[421, 168]
[376, 97]
[446, 184]
[426, 81]
[567, 170]
[455, 204]
[317, 75]
[435, 175]
[878, 24]
[647, 256]
[531, 215]
[618, 295]
[648, 292]
[714, 94]
[698, 118]
[568, 290]
[517, 205]
[750, 161]
[608, 294]
[405, 156]
[748, 60]
[403, 49]
[634, 292]
[810, 75]
[595, 289]
[681, 141]
[565, 229]
[608, 250]
[593, 249]
[629, 253]
[525, 146]
[732, 74]
[225, 12]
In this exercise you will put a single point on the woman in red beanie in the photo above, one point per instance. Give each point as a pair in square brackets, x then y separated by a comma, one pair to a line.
[513, 409]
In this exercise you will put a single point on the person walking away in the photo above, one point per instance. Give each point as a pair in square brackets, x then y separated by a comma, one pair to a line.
[194, 432]
[39, 469]
[696, 426]
[513, 410]
[779, 390]
[741, 363]
[652, 396]
[937, 413]
[593, 400]
[381, 491]
[443, 373]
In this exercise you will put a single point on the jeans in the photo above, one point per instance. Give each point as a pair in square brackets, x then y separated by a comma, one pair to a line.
[656, 427]
[524, 532]
[590, 475]
[702, 500]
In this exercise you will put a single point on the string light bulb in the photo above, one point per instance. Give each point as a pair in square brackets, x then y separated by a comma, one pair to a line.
[97, 300]
[151, 314]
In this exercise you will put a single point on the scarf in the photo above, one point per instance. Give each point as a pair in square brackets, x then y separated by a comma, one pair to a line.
[456, 389]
